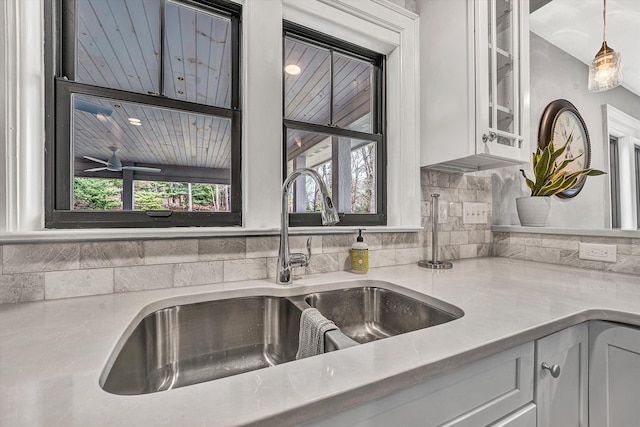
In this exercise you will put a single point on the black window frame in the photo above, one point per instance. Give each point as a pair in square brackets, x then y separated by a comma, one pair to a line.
[614, 177]
[378, 134]
[60, 40]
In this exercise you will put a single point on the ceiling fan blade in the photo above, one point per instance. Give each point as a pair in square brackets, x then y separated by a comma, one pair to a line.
[141, 169]
[104, 162]
[95, 169]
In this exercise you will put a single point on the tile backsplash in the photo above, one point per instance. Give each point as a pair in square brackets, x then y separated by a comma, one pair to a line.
[563, 249]
[32, 272]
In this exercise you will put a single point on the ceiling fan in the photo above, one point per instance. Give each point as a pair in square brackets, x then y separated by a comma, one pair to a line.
[115, 165]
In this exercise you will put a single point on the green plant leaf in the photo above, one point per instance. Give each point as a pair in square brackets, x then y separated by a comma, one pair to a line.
[529, 183]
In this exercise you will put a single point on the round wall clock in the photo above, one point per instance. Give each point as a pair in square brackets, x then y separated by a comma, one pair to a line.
[562, 123]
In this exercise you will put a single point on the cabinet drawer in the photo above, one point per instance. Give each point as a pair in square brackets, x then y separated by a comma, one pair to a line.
[474, 395]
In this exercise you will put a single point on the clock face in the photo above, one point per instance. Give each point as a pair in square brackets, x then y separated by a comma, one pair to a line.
[568, 131]
[561, 123]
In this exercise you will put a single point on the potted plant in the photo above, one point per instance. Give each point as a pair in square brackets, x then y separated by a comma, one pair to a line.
[550, 178]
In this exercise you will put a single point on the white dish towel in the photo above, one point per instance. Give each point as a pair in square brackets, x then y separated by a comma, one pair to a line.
[313, 325]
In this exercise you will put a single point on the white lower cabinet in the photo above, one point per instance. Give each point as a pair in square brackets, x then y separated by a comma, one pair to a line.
[488, 392]
[614, 375]
[525, 417]
[588, 374]
[562, 378]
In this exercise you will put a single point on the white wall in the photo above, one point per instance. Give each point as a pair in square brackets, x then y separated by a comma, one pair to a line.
[554, 75]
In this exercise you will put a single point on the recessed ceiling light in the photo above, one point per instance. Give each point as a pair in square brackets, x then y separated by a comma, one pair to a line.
[133, 119]
[135, 123]
[292, 69]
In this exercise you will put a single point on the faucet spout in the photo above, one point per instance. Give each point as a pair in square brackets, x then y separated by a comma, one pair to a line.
[329, 214]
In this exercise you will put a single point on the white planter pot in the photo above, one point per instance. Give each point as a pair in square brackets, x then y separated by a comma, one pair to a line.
[533, 211]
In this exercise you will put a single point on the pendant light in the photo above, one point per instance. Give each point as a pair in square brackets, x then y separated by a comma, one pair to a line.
[605, 71]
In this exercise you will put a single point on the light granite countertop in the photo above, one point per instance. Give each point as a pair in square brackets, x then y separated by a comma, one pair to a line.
[52, 353]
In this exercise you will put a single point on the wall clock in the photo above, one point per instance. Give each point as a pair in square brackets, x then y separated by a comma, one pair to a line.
[562, 123]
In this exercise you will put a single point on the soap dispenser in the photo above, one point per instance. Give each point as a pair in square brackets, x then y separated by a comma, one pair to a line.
[360, 255]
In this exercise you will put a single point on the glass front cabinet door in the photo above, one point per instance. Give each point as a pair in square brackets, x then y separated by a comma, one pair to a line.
[474, 83]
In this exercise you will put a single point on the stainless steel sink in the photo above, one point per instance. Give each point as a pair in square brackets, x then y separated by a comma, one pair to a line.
[192, 343]
[370, 313]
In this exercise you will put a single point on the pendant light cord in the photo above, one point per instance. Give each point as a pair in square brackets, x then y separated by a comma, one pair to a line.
[604, 18]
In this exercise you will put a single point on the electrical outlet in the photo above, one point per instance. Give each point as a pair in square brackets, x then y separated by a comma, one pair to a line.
[597, 252]
[474, 213]
[443, 211]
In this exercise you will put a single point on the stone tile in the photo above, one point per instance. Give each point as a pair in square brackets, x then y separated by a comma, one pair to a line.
[571, 257]
[509, 250]
[400, 240]
[197, 273]
[478, 236]
[550, 255]
[455, 209]
[408, 256]
[222, 248]
[448, 194]
[299, 244]
[561, 242]
[139, 278]
[77, 283]
[170, 251]
[429, 178]
[373, 240]
[111, 254]
[470, 196]
[458, 180]
[625, 264]
[533, 240]
[245, 269]
[485, 250]
[473, 182]
[382, 258]
[500, 237]
[337, 243]
[447, 253]
[468, 251]
[444, 238]
[21, 287]
[262, 247]
[344, 262]
[40, 257]
[323, 263]
[459, 238]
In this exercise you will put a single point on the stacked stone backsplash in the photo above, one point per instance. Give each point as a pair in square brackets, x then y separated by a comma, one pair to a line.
[32, 272]
[563, 249]
[456, 240]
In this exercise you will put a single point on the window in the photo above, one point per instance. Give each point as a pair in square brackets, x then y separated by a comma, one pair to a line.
[334, 123]
[144, 120]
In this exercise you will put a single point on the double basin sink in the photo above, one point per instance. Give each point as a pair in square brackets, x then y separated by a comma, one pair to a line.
[188, 344]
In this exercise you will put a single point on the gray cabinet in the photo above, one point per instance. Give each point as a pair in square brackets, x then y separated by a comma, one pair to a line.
[562, 384]
[614, 375]
[488, 392]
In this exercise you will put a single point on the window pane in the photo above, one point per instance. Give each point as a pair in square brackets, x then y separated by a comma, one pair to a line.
[119, 44]
[197, 59]
[352, 93]
[307, 94]
[347, 165]
[129, 141]
[97, 194]
[181, 197]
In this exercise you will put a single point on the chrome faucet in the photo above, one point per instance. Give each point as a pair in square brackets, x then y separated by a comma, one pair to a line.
[287, 260]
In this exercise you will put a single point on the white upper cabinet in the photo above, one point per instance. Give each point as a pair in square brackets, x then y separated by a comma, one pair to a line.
[474, 69]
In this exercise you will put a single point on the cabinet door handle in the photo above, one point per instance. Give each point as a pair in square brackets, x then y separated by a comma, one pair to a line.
[554, 370]
[491, 137]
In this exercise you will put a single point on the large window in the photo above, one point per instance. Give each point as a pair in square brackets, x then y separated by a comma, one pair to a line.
[334, 123]
[143, 114]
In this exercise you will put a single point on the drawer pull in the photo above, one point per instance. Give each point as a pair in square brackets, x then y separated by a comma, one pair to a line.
[554, 370]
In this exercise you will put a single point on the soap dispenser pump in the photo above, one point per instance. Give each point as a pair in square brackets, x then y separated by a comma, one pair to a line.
[360, 255]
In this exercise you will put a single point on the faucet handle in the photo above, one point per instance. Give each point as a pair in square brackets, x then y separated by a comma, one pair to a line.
[299, 259]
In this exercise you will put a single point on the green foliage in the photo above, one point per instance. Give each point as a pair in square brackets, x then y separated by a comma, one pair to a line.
[95, 193]
[550, 175]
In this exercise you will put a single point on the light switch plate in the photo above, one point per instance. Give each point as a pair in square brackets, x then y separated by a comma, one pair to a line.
[597, 252]
[474, 213]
